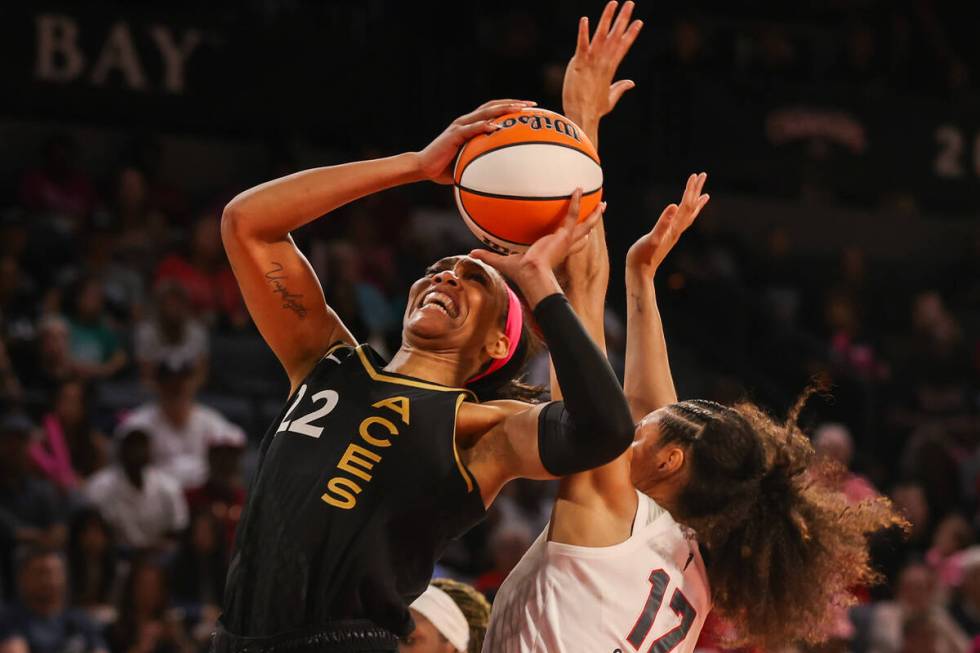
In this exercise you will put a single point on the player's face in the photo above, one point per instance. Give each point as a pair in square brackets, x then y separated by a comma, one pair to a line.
[652, 462]
[424, 639]
[457, 305]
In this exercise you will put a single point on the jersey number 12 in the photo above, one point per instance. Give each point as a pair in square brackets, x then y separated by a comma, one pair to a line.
[678, 603]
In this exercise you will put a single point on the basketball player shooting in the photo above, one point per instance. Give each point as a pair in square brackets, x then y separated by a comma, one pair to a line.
[372, 467]
[620, 567]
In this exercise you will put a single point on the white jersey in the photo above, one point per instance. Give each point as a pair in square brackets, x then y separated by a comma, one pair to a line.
[647, 594]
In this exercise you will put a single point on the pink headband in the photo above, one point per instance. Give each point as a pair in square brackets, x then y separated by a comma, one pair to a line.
[515, 322]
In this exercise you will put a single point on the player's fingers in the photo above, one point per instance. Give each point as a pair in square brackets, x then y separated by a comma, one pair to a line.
[574, 207]
[467, 132]
[617, 89]
[605, 20]
[579, 245]
[492, 110]
[584, 228]
[703, 177]
[703, 201]
[626, 40]
[622, 20]
[490, 103]
[493, 259]
[582, 42]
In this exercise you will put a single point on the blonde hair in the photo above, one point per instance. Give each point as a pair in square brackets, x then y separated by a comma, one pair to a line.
[475, 608]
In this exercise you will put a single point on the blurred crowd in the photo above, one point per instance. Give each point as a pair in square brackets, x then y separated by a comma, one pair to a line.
[135, 389]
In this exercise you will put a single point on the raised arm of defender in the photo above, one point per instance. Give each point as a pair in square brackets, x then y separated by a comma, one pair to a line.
[279, 286]
[648, 383]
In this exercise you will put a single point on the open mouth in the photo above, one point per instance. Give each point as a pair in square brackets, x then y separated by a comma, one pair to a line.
[440, 301]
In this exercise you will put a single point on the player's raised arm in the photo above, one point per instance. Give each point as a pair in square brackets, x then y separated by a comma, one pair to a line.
[594, 507]
[593, 425]
[279, 286]
[648, 382]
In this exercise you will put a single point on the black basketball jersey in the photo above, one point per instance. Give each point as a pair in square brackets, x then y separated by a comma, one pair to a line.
[358, 490]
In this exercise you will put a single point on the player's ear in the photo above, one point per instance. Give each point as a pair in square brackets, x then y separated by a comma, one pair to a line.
[669, 460]
[499, 345]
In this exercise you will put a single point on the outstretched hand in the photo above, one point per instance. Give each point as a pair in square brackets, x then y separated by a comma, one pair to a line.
[436, 160]
[649, 251]
[588, 92]
[547, 252]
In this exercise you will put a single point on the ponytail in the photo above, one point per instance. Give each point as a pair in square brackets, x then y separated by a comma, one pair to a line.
[781, 551]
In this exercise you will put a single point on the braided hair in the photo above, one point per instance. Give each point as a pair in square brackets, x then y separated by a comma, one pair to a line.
[780, 550]
[475, 608]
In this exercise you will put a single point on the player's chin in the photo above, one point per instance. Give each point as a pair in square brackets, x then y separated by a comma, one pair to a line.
[430, 324]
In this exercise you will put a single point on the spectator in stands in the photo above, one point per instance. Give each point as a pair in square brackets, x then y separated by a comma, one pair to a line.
[915, 597]
[41, 621]
[180, 427]
[171, 334]
[141, 229]
[205, 273]
[95, 347]
[945, 557]
[11, 391]
[198, 574]
[93, 565]
[223, 494]
[921, 634]
[509, 541]
[57, 187]
[30, 510]
[910, 499]
[18, 297]
[146, 624]
[121, 281]
[833, 441]
[70, 448]
[51, 363]
[966, 606]
[144, 505]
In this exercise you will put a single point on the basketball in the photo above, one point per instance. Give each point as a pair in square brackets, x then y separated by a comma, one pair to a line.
[512, 185]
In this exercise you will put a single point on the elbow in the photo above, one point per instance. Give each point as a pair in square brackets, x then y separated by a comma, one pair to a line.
[232, 221]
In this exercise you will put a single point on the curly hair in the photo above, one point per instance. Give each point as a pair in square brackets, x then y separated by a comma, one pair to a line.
[781, 550]
[475, 608]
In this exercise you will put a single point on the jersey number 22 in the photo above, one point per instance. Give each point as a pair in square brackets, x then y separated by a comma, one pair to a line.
[304, 424]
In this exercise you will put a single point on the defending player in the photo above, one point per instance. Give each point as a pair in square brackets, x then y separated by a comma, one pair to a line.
[619, 568]
[372, 468]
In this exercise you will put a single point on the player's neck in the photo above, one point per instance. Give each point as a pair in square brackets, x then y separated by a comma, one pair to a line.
[432, 366]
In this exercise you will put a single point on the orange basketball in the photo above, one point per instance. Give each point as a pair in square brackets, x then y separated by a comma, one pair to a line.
[512, 185]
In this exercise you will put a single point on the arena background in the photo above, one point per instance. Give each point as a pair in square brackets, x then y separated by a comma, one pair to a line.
[842, 142]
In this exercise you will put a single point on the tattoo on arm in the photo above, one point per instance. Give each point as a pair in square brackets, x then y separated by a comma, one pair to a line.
[290, 301]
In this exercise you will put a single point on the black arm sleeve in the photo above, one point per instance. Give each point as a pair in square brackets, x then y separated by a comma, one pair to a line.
[593, 425]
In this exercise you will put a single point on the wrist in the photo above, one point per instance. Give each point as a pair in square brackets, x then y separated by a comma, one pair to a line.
[536, 282]
[412, 168]
[639, 273]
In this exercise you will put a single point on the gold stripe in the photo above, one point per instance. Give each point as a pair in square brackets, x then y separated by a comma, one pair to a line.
[378, 376]
[459, 463]
[335, 348]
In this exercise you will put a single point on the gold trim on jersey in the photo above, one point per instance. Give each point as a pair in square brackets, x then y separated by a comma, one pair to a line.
[459, 463]
[378, 376]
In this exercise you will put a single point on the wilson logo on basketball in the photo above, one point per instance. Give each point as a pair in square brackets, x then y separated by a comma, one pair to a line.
[542, 122]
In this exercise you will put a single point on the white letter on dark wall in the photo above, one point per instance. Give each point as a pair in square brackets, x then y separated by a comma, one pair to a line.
[175, 55]
[58, 57]
[118, 53]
